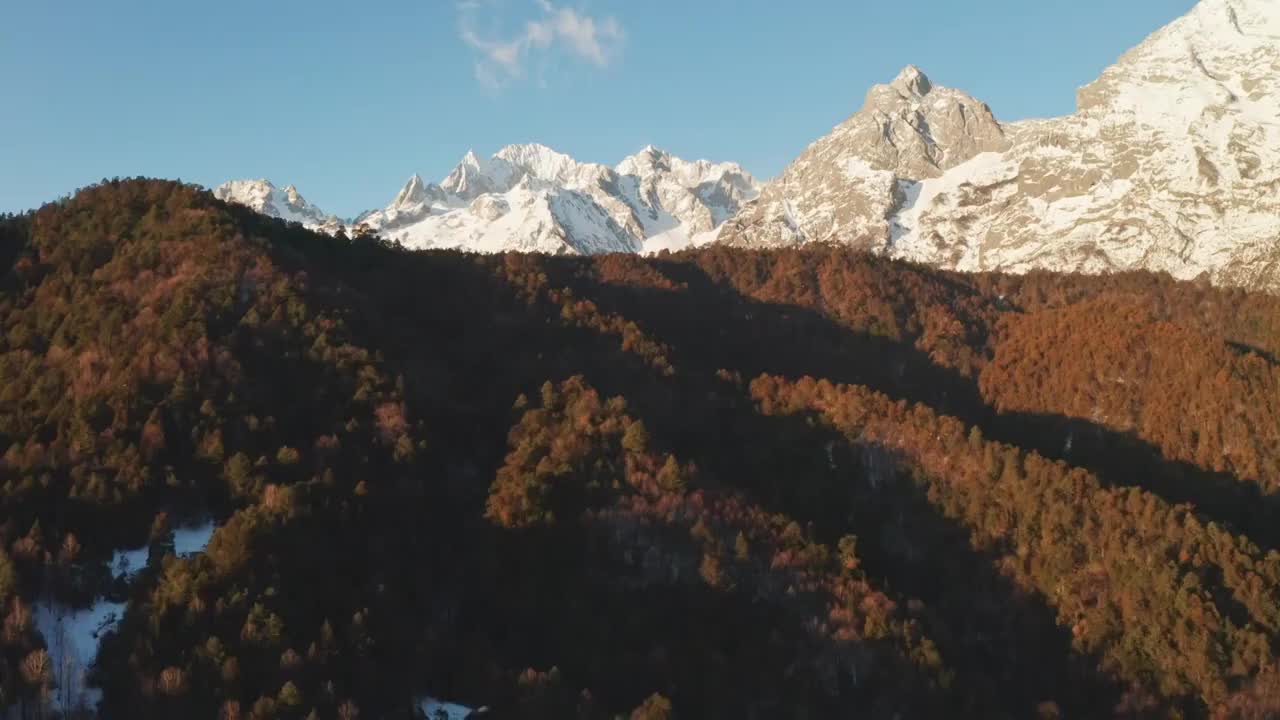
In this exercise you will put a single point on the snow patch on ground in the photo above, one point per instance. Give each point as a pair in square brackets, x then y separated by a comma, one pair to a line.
[187, 540]
[439, 710]
[73, 634]
[127, 562]
[192, 539]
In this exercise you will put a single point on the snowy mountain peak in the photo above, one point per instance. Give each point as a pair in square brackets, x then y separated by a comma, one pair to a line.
[912, 81]
[1170, 164]
[653, 161]
[413, 193]
[533, 198]
[502, 172]
[468, 179]
[539, 161]
[284, 203]
[646, 162]
[250, 193]
[247, 188]
[515, 150]
[653, 154]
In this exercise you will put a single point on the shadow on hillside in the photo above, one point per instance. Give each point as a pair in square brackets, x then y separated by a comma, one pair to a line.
[1124, 460]
[1241, 348]
[471, 348]
[711, 325]
[551, 590]
[1004, 644]
[1010, 635]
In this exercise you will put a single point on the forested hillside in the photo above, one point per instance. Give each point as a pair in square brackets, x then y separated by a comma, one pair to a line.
[717, 484]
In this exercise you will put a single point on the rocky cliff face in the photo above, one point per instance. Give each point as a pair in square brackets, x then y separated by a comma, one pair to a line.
[1172, 162]
[844, 187]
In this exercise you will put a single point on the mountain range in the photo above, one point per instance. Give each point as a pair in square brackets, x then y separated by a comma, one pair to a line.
[1170, 163]
[530, 198]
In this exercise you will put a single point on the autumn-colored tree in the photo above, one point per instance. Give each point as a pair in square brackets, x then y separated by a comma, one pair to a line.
[1040, 495]
[655, 707]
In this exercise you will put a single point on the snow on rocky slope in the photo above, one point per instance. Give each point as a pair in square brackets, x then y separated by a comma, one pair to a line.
[433, 709]
[1172, 162]
[845, 186]
[531, 198]
[284, 203]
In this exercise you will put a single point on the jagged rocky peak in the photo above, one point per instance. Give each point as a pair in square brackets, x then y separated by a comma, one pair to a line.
[285, 203]
[293, 197]
[256, 194]
[648, 161]
[471, 161]
[1170, 164]
[468, 179]
[912, 81]
[239, 190]
[531, 197]
[539, 161]
[845, 186]
[504, 171]
[654, 164]
[917, 129]
[413, 193]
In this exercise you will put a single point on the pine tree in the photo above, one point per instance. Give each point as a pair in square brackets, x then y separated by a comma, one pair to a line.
[636, 439]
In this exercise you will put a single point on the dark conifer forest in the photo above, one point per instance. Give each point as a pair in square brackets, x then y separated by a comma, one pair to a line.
[715, 484]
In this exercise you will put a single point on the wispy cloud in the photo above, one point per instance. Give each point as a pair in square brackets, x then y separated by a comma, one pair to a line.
[596, 41]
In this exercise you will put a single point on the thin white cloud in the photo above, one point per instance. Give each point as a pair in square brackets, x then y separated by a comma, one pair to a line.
[595, 41]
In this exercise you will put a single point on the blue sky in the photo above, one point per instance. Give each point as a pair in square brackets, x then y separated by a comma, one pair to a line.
[346, 100]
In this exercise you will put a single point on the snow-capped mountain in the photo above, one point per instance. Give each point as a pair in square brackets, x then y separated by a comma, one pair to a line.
[531, 198]
[1172, 162]
[284, 203]
[845, 186]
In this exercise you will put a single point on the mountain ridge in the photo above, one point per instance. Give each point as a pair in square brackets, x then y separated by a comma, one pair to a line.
[532, 198]
[1170, 163]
